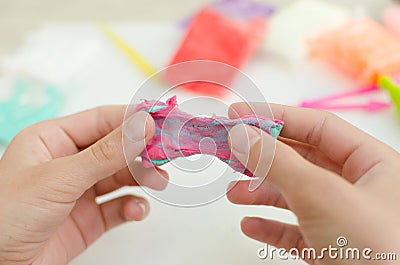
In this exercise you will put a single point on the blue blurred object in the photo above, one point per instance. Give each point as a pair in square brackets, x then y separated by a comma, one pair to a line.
[30, 103]
[239, 9]
[243, 9]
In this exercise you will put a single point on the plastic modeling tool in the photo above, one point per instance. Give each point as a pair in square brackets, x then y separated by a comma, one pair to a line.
[390, 85]
[329, 102]
[370, 106]
[137, 59]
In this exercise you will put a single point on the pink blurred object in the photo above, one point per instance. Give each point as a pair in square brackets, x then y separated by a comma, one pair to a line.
[332, 102]
[179, 134]
[369, 106]
[362, 48]
[330, 98]
[391, 19]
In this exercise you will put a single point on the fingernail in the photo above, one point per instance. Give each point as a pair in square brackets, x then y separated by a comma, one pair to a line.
[136, 210]
[144, 209]
[231, 185]
[138, 126]
[242, 138]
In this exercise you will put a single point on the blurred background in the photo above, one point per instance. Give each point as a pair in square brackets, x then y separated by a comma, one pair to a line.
[56, 59]
[18, 17]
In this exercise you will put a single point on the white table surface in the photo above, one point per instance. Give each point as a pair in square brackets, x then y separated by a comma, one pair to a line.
[209, 234]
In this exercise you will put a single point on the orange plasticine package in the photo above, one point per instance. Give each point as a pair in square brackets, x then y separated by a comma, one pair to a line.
[362, 48]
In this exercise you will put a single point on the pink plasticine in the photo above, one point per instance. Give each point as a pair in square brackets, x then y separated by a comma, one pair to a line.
[179, 134]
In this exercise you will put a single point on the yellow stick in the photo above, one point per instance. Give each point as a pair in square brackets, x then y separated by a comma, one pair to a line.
[128, 50]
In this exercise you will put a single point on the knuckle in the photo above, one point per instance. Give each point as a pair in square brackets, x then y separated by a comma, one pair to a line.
[309, 155]
[103, 151]
[105, 126]
[314, 137]
[279, 201]
[280, 238]
[299, 242]
[329, 116]
[33, 129]
[40, 126]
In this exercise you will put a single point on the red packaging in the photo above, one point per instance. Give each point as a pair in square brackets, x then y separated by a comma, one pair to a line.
[213, 36]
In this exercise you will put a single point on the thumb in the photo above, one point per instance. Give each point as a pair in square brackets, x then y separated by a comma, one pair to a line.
[102, 159]
[299, 180]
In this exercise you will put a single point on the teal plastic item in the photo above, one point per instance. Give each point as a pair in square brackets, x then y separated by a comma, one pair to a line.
[21, 110]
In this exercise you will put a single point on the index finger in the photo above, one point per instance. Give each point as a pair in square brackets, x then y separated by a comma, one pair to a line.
[336, 138]
[86, 127]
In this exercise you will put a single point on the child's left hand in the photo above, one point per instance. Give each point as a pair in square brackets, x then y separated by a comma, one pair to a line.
[51, 174]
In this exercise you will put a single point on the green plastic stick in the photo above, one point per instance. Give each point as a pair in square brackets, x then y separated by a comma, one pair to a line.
[393, 88]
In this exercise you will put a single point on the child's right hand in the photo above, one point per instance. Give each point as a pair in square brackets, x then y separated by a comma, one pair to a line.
[338, 180]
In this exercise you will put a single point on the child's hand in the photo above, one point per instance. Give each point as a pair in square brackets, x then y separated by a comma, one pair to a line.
[51, 174]
[338, 181]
